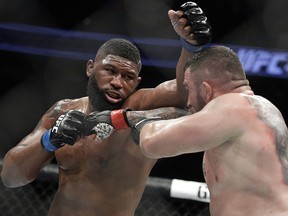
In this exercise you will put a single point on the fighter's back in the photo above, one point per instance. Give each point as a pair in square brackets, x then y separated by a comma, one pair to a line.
[248, 175]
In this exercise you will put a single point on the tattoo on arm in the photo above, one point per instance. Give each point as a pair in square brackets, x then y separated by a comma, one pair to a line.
[274, 119]
[282, 148]
[49, 117]
[165, 113]
[55, 114]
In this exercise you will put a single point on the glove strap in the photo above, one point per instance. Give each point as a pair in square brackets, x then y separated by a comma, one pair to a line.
[119, 119]
[45, 142]
[190, 47]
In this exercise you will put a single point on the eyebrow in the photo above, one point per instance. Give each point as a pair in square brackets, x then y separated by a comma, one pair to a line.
[131, 72]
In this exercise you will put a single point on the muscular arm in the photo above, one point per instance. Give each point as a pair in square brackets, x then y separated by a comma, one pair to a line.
[172, 93]
[103, 123]
[166, 94]
[22, 163]
[165, 113]
[201, 131]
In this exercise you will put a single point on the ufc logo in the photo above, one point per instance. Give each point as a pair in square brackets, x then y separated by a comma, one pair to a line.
[57, 124]
[203, 192]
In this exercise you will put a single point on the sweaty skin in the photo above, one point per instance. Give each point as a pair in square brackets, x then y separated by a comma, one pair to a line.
[245, 159]
[96, 174]
[245, 142]
[96, 178]
[94, 171]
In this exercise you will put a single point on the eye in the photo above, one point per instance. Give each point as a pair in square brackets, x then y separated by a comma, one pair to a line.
[128, 76]
[110, 70]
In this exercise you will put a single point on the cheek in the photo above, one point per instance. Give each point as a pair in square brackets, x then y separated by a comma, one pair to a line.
[191, 98]
[129, 87]
[102, 79]
[200, 102]
[195, 99]
[192, 91]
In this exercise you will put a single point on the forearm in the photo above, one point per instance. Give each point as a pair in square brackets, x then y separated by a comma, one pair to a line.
[104, 123]
[194, 32]
[134, 117]
[138, 119]
[21, 165]
[184, 57]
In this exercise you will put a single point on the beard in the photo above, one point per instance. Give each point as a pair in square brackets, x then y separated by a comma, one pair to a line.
[97, 97]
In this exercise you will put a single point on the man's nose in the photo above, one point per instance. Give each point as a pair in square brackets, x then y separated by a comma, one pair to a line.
[188, 105]
[116, 81]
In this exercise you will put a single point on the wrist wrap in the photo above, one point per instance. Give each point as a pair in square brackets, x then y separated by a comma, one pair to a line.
[45, 142]
[190, 47]
[119, 119]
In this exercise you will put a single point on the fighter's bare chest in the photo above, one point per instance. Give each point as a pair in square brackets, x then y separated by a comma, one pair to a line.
[89, 153]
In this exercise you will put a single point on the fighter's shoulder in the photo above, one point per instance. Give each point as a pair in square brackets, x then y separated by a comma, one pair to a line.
[233, 98]
[161, 95]
[230, 102]
[65, 105]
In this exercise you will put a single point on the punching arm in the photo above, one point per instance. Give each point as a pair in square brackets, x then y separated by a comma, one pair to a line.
[104, 123]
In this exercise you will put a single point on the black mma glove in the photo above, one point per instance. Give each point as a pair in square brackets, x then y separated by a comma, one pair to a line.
[136, 129]
[198, 22]
[104, 123]
[66, 129]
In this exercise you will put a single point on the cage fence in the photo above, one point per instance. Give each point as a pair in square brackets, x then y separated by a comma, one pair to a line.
[162, 197]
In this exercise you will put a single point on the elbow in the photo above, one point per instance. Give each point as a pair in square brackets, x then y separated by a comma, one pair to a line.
[147, 152]
[6, 179]
[11, 179]
[150, 144]
[7, 182]
[13, 182]
[148, 148]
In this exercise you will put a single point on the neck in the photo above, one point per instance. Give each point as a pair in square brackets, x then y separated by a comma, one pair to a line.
[233, 86]
[89, 107]
[242, 86]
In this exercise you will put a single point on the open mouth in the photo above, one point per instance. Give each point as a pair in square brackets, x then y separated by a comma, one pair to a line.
[113, 96]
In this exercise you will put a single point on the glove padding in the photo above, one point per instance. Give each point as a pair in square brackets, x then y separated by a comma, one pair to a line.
[66, 129]
[136, 129]
[198, 22]
[104, 123]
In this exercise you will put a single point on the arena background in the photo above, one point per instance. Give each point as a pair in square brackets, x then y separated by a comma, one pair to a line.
[44, 46]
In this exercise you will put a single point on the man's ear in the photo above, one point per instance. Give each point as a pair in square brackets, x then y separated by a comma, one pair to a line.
[138, 81]
[89, 67]
[208, 91]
